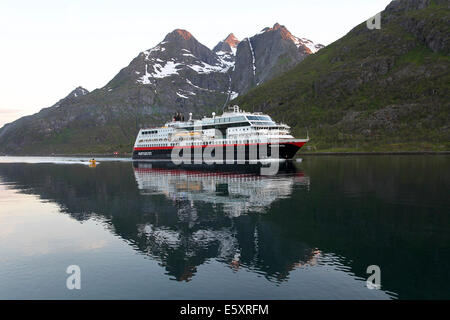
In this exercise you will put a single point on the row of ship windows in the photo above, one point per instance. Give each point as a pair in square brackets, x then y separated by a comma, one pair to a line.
[237, 119]
[225, 120]
[200, 143]
[257, 128]
[263, 123]
[266, 118]
[150, 132]
[239, 129]
[150, 140]
[156, 131]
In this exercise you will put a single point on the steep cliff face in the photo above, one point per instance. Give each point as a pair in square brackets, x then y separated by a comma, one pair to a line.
[178, 74]
[371, 90]
[268, 54]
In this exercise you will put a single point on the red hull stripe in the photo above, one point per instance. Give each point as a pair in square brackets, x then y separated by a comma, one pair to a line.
[298, 144]
[179, 172]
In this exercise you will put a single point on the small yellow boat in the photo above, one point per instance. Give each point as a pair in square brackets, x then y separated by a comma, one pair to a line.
[92, 163]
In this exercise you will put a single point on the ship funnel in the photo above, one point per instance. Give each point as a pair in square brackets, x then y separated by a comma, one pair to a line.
[190, 116]
[213, 115]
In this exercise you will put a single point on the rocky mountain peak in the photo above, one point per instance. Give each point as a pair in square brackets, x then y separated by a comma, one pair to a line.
[232, 40]
[80, 90]
[228, 45]
[305, 46]
[275, 27]
[77, 92]
[178, 34]
[73, 96]
[226, 49]
[280, 29]
[278, 26]
[284, 32]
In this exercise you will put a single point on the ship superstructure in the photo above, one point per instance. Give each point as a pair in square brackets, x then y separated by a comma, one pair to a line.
[235, 135]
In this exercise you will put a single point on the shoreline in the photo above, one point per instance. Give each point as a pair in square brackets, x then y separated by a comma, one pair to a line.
[81, 155]
[375, 153]
[352, 153]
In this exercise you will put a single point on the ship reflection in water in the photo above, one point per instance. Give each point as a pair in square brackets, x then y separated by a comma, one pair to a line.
[238, 192]
[226, 231]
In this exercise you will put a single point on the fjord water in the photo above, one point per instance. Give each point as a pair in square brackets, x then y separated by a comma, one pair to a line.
[140, 232]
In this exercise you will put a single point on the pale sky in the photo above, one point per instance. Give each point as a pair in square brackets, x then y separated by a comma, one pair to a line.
[49, 47]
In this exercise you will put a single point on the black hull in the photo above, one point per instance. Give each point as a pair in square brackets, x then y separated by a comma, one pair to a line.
[252, 153]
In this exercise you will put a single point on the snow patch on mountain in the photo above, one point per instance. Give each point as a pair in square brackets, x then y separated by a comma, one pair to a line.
[307, 43]
[226, 50]
[159, 71]
[253, 56]
[188, 53]
[188, 92]
[157, 48]
[77, 92]
[205, 68]
[197, 87]
[145, 79]
[168, 69]
[222, 53]
[182, 96]
[227, 59]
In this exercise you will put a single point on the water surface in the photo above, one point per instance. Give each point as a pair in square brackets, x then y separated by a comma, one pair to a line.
[144, 232]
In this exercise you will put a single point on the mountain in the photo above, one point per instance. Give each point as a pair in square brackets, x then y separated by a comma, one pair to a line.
[227, 48]
[178, 74]
[266, 55]
[372, 90]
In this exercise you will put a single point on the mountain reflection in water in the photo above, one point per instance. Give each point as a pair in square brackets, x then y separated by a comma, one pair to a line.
[202, 225]
[312, 230]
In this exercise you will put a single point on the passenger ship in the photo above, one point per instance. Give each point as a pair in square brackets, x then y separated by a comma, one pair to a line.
[239, 136]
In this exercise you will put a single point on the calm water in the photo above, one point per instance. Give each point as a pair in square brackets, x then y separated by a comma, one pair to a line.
[141, 232]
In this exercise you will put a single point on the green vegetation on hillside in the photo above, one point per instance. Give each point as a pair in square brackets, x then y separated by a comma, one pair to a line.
[372, 90]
